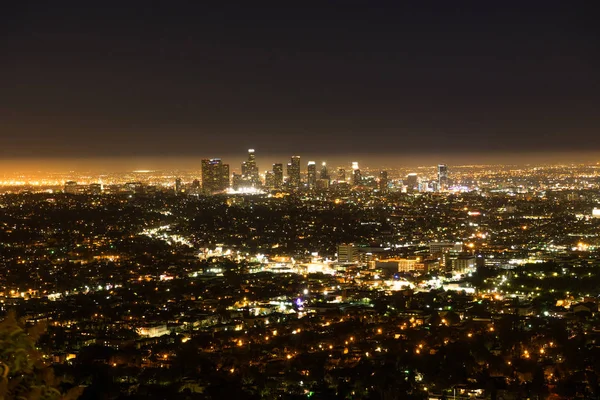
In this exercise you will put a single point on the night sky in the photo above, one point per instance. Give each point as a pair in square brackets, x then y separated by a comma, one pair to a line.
[177, 78]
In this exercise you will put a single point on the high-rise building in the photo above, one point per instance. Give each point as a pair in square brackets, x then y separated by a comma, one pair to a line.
[215, 175]
[341, 175]
[412, 182]
[195, 188]
[95, 188]
[225, 176]
[383, 181]
[356, 175]
[278, 176]
[237, 181]
[347, 253]
[270, 180]
[71, 187]
[324, 172]
[250, 170]
[463, 263]
[442, 177]
[311, 172]
[178, 187]
[293, 171]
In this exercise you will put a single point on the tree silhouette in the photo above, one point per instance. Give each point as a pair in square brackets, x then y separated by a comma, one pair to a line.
[24, 375]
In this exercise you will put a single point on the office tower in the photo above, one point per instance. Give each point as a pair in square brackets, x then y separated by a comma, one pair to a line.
[347, 253]
[225, 176]
[442, 177]
[71, 187]
[237, 181]
[278, 176]
[135, 187]
[250, 170]
[215, 175]
[95, 188]
[323, 184]
[195, 188]
[356, 176]
[324, 172]
[341, 175]
[178, 187]
[383, 181]
[412, 182]
[311, 172]
[293, 171]
[270, 180]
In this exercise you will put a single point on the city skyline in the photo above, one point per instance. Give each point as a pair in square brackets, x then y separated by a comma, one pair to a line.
[43, 165]
[299, 200]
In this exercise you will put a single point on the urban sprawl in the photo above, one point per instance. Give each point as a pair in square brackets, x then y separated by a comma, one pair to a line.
[310, 281]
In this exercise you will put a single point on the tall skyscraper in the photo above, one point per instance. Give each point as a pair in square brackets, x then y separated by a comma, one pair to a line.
[195, 188]
[341, 175]
[324, 172]
[412, 182]
[215, 175]
[178, 187]
[356, 175]
[250, 170]
[224, 181]
[383, 181]
[442, 177]
[311, 171]
[293, 171]
[237, 181]
[278, 176]
[270, 180]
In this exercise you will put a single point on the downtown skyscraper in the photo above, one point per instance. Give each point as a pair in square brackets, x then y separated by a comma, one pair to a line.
[311, 173]
[250, 175]
[443, 182]
[293, 172]
[215, 175]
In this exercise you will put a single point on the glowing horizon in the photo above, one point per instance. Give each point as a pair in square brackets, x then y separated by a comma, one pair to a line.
[149, 164]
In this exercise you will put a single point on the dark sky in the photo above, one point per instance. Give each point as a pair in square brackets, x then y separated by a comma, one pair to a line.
[128, 78]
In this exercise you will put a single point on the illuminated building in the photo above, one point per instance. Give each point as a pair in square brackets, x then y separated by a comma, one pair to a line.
[237, 181]
[311, 174]
[178, 187]
[341, 175]
[225, 176]
[195, 188]
[356, 176]
[293, 171]
[277, 176]
[270, 180]
[406, 264]
[347, 253]
[383, 181]
[215, 175]
[71, 187]
[444, 247]
[324, 172]
[153, 331]
[442, 177]
[134, 187]
[463, 264]
[95, 188]
[250, 170]
[412, 182]
[322, 184]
